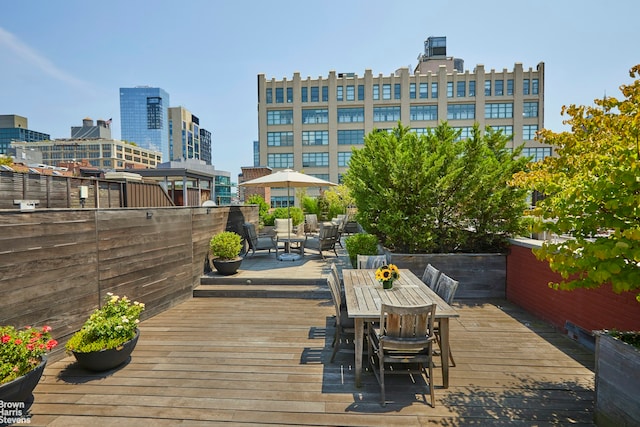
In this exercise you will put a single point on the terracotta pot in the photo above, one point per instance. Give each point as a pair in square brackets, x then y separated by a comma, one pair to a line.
[104, 360]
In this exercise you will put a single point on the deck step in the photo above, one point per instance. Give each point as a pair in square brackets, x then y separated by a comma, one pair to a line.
[244, 290]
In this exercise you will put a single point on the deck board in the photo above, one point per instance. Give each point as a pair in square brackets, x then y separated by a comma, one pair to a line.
[265, 361]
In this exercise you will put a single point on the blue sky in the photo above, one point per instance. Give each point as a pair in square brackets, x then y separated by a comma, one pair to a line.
[62, 61]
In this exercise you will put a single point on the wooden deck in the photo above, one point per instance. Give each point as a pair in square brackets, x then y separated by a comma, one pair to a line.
[237, 361]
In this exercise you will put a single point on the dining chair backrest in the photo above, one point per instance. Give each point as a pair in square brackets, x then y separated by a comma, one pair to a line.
[283, 226]
[371, 261]
[430, 276]
[446, 288]
[404, 327]
[311, 223]
[334, 287]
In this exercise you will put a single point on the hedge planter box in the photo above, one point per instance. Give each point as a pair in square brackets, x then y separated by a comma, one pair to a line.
[617, 382]
[480, 275]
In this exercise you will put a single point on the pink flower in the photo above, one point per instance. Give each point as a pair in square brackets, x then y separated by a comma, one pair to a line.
[5, 339]
[30, 347]
[51, 344]
[18, 341]
[46, 328]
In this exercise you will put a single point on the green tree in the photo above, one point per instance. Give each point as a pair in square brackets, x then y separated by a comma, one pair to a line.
[431, 193]
[592, 194]
[263, 206]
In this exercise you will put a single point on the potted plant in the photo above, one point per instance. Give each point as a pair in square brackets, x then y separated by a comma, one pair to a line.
[225, 248]
[22, 360]
[361, 244]
[109, 335]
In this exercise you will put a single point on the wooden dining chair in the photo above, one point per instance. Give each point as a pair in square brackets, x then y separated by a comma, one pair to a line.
[446, 289]
[344, 325]
[371, 261]
[404, 336]
[430, 276]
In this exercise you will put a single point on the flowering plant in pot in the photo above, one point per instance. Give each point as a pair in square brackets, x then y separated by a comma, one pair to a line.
[386, 274]
[22, 360]
[110, 334]
[225, 248]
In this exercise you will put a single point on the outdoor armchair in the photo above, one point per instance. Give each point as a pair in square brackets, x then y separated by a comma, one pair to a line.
[256, 243]
[325, 240]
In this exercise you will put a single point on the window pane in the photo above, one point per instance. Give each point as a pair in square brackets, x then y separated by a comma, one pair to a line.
[315, 94]
[304, 95]
[386, 91]
[315, 137]
[351, 93]
[277, 139]
[397, 91]
[487, 88]
[350, 115]
[424, 90]
[279, 117]
[498, 111]
[461, 89]
[279, 95]
[412, 91]
[461, 111]
[315, 159]
[530, 109]
[376, 92]
[310, 116]
[434, 90]
[360, 92]
[386, 114]
[423, 112]
[472, 88]
[499, 90]
[351, 137]
[449, 89]
[339, 96]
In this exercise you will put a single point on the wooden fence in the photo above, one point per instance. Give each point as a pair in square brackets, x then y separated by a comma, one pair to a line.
[56, 266]
[50, 191]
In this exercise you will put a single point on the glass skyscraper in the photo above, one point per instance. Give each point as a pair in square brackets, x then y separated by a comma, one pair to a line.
[144, 118]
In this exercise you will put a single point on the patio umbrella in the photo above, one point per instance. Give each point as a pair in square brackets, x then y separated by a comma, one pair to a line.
[288, 178]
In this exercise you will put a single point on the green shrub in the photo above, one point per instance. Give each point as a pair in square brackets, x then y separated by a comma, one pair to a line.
[435, 193]
[226, 245]
[361, 244]
[310, 205]
[297, 216]
[263, 207]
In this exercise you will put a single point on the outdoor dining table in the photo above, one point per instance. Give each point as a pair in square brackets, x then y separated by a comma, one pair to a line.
[364, 297]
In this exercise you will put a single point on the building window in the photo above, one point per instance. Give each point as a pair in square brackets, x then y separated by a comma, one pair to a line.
[386, 91]
[339, 95]
[465, 133]
[280, 160]
[155, 117]
[269, 96]
[304, 95]
[499, 89]
[461, 89]
[529, 132]
[423, 112]
[277, 139]
[412, 91]
[343, 158]
[449, 89]
[537, 153]
[506, 130]
[315, 94]
[282, 201]
[397, 91]
[510, 87]
[279, 117]
[325, 93]
[534, 86]
[324, 176]
[525, 87]
[310, 160]
[360, 92]
[472, 88]
[498, 111]
[351, 93]
[487, 88]
[530, 109]
[279, 95]
[350, 115]
[311, 116]
[315, 137]
[461, 111]
[376, 92]
[351, 137]
[289, 95]
[434, 89]
[386, 114]
[424, 90]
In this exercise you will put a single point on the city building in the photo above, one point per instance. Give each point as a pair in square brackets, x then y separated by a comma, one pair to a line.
[205, 146]
[99, 153]
[144, 118]
[187, 140]
[311, 125]
[249, 173]
[102, 129]
[16, 128]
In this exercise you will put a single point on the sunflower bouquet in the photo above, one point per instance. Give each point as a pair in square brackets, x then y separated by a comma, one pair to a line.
[386, 274]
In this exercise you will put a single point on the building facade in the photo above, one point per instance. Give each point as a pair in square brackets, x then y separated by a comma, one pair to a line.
[144, 118]
[16, 128]
[100, 153]
[187, 140]
[311, 125]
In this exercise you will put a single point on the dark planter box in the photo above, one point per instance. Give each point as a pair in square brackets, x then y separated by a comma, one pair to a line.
[617, 382]
[480, 275]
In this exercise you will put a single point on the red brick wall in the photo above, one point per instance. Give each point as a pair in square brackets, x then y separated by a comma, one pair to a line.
[590, 309]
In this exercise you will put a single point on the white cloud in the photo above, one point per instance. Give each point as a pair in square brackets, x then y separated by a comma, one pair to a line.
[35, 59]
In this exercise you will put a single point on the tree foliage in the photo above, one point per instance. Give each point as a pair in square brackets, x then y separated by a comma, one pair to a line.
[431, 193]
[592, 193]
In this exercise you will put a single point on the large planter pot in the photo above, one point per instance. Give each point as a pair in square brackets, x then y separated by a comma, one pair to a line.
[104, 360]
[20, 389]
[227, 267]
[617, 382]
[480, 275]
